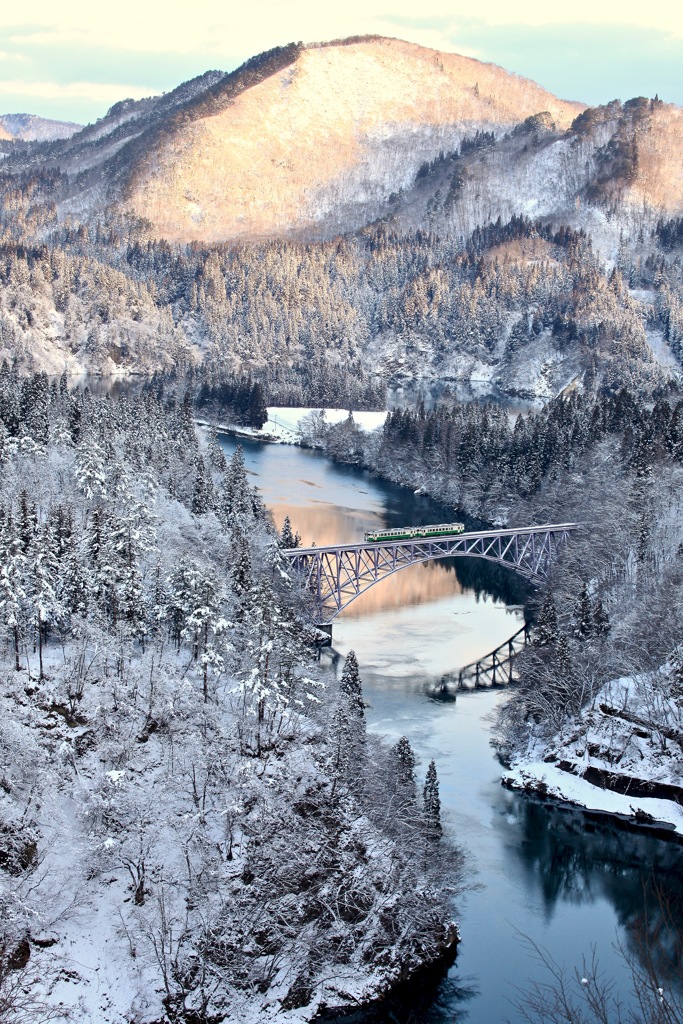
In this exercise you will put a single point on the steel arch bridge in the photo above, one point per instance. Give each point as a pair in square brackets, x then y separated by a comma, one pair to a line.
[338, 574]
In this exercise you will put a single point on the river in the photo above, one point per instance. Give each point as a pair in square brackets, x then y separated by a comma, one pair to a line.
[542, 874]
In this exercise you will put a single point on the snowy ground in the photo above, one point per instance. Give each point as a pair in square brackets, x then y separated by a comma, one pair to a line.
[283, 424]
[552, 781]
[631, 734]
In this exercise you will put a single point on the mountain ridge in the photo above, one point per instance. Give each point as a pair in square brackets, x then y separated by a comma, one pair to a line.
[33, 128]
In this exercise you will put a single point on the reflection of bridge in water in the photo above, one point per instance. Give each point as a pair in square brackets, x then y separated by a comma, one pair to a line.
[497, 668]
[337, 574]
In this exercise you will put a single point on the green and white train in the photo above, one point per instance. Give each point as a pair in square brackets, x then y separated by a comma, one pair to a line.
[413, 532]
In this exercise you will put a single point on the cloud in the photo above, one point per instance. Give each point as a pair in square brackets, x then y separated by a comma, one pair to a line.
[591, 51]
[216, 25]
[96, 92]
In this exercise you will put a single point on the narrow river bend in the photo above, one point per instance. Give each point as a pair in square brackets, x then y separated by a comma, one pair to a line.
[541, 873]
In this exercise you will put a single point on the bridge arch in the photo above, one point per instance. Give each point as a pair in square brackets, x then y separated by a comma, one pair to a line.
[338, 574]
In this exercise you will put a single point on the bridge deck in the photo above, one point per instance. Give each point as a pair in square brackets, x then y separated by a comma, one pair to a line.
[468, 535]
[338, 573]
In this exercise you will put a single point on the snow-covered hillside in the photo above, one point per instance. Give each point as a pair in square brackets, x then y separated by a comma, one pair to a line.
[194, 823]
[31, 128]
[622, 755]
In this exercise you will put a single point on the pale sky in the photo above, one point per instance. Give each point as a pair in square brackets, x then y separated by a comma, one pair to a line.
[71, 59]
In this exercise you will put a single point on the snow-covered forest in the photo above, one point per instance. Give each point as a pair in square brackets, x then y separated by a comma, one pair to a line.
[524, 305]
[194, 824]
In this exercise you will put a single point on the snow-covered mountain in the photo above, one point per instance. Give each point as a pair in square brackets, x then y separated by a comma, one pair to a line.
[300, 140]
[482, 220]
[308, 142]
[31, 128]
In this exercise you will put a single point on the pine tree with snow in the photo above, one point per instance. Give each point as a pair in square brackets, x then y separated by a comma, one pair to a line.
[339, 765]
[90, 468]
[351, 688]
[214, 452]
[583, 615]
[258, 413]
[235, 499]
[12, 593]
[432, 804]
[288, 539]
[203, 493]
[43, 583]
[403, 763]
[546, 626]
[27, 521]
[241, 573]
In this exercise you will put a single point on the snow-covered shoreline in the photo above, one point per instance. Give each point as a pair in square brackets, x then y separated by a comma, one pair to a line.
[283, 425]
[663, 818]
[621, 748]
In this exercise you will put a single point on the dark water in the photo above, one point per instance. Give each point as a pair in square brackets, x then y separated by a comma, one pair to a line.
[543, 874]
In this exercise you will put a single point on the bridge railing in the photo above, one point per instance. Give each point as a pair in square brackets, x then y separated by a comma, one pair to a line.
[469, 535]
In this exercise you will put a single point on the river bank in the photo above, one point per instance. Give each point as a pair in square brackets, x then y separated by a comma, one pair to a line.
[620, 756]
[283, 425]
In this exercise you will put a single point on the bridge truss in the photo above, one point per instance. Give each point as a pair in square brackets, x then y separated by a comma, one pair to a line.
[336, 575]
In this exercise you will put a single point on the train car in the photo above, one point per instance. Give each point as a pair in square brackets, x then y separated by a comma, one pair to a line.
[413, 532]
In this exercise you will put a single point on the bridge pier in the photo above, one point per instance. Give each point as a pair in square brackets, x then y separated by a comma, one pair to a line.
[326, 629]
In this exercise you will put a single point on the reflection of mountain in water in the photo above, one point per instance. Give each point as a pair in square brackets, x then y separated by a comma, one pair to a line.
[571, 859]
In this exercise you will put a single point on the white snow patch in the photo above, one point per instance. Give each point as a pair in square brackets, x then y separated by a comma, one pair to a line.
[284, 423]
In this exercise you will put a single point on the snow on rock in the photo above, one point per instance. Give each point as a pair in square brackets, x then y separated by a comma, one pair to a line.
[623, 755]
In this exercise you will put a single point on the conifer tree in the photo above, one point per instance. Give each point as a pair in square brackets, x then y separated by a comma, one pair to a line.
[203, 495]
[341, 746]
[235, 500]
[288, 539]
[12, 593]
[351, 687]
[215, 453]
[583, 615]
[241, 575]
[404, 762]
[27, 521]
[44, 573]
[546, 626]
[432, 804]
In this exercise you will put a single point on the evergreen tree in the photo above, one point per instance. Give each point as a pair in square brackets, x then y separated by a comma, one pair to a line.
[341, 735]
[432, 804]
[203, 494]
[288, 539]
[90, 468]
[27, 521]
[258, 413]
[241, 575]
[546, 626]
[215, 453]
[12, 593]
[235, 501]
[351, 687]
[44, 574]
[584, 616]
[403, 760]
